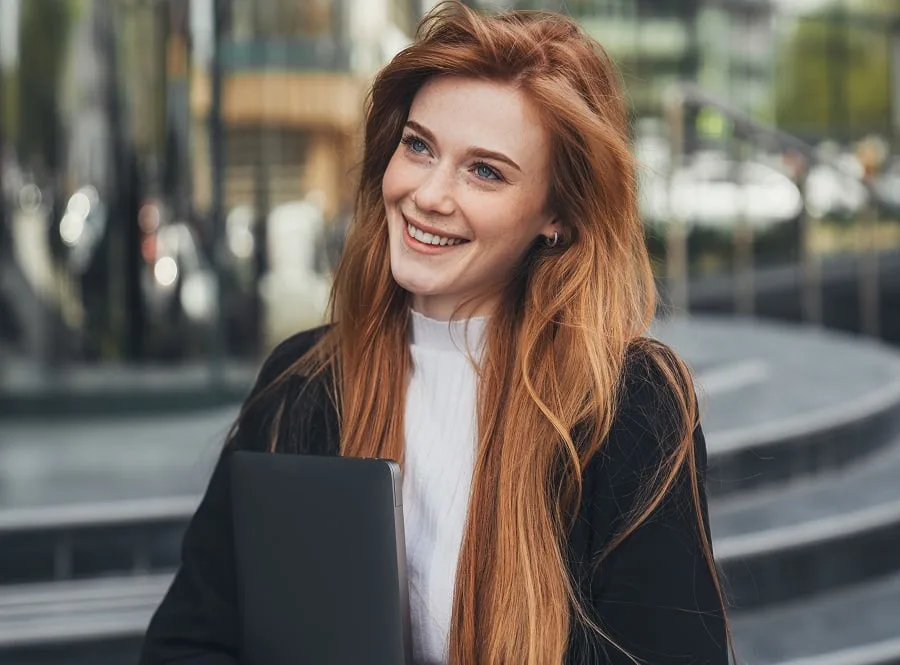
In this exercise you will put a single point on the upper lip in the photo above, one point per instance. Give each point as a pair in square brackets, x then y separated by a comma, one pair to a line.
[430, 229]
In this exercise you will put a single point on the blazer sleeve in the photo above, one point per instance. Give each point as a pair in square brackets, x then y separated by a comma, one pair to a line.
[197, 621]
[654, 594]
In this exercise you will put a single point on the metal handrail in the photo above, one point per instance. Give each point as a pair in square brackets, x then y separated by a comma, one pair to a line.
[763, 134]
[676, 100]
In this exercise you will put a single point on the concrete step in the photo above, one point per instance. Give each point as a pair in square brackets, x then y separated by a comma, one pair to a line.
[101, 622]
[89, 651]
[774, 414]
[773, 410]
[84, 541]
[782, 402]
[39, 614]
[779, 293]
[90, 622]
[813, 535]
[37, 400]
[855, 626]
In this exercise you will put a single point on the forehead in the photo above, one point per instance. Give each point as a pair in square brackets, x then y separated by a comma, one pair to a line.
[476, 113]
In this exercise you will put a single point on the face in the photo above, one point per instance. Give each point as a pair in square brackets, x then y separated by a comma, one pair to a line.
[465, 192]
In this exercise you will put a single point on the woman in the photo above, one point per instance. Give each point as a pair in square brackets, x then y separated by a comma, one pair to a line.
[488, 319]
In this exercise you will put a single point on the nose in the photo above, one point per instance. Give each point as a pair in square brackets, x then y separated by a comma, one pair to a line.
[435, 192]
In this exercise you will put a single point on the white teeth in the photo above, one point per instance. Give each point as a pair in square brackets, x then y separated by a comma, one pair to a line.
[430, 238]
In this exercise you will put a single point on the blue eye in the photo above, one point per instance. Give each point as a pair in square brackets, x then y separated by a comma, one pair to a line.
[415, 144]
[482, 170]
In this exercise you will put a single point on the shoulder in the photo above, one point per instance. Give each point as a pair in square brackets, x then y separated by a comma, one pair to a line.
[653, 383]
[647, 438]
[648, 425]
[275, 388]
[286, 354]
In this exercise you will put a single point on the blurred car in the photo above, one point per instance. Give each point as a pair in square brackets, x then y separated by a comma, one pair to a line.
[716, 192]
[836, 190]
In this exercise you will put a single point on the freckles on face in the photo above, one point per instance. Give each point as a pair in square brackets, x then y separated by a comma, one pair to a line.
[465, 191]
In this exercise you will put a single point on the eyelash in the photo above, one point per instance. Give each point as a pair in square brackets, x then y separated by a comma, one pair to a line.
[410, 139]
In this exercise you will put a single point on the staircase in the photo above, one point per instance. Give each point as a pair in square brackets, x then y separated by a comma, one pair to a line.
[803, 430]
[804, 443]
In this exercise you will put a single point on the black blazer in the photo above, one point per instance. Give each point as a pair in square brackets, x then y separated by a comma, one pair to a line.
[654, 594]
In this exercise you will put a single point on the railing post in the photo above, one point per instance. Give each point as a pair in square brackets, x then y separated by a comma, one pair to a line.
[871, 155]
[867, 261]
[744, 272]
[811, 264]
[677, 267]
[744, 269]
[62, 557]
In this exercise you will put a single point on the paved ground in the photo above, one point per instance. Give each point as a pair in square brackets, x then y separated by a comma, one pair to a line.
[57, 463]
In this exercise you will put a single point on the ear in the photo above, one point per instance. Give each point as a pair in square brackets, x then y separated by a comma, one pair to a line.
[552, 225]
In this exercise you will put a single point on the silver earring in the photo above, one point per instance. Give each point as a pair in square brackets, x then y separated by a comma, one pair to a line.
[552, 242]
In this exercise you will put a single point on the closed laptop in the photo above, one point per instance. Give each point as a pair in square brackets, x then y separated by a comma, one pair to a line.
[320, 560]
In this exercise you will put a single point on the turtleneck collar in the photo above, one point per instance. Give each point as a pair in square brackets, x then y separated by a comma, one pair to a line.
[461, 335]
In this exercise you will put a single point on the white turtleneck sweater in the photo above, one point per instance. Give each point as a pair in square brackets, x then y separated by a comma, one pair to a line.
[440, 422]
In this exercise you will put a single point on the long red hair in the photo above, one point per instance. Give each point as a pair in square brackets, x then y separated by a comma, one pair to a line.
[556, 345]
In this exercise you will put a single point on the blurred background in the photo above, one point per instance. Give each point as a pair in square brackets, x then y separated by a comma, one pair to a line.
[176, 178]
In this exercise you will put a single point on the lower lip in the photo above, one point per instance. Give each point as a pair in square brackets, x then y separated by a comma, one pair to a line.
[426, 248]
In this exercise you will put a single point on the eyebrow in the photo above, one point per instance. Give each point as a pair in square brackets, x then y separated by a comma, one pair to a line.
[477, 152]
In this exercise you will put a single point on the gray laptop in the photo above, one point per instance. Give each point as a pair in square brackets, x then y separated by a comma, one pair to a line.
[320, 560]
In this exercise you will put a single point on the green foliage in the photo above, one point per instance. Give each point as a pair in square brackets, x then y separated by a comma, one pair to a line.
[833, 78]
[888, 8]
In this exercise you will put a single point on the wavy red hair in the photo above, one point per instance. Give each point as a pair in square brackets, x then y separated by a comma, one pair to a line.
[556, 346]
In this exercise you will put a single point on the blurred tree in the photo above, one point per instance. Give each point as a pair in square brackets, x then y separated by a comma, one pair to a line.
[832, 77]
[877, 7]
[43, 36]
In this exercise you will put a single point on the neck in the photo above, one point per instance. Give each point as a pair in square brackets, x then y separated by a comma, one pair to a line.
[442, 308]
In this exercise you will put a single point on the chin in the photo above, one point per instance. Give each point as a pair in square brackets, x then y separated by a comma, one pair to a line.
[417, 285]
[417, 280]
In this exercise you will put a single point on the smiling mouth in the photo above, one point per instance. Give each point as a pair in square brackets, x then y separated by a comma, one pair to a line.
[431, 238]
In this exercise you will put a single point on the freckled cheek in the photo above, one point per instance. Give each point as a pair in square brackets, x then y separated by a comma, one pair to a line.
[499, 240]
[398, 181]
[496, 223]
[388, 187]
